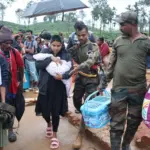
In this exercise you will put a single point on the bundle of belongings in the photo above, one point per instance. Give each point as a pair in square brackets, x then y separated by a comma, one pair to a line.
[54, 69]
[7, 115]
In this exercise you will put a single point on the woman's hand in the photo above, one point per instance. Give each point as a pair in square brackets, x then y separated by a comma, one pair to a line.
[58, 77]
[56, 60]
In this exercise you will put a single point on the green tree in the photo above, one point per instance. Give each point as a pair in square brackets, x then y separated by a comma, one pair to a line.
[145, 2]
[2, 11]
[19, 13]
[98, 12]
[143, 20]
[29, 21]
[102, 12]
[52, 18]
[149, 22]
[82, 14]
[29, 3]
[137, 9]
[6, 2]
[45, 19]
[140, 9]
[34, 20]
[111, 12]
[3, 6]
[129, 7]
[70, 17]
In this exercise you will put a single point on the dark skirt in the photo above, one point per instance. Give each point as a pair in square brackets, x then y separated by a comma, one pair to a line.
[54, 102]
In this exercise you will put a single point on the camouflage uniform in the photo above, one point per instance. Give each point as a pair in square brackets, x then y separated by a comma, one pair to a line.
[127, 67]
[84, 84]
[123, 101]
[128, 91]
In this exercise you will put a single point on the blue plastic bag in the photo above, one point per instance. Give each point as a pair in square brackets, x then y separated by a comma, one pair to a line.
[26, 84]
[95, 111]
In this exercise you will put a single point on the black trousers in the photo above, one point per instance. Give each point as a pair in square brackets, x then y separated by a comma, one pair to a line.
[55, 122]
[84, 86]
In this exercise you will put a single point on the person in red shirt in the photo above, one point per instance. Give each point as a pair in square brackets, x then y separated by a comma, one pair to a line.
[16, 70]
[103, 47]
[104, 51]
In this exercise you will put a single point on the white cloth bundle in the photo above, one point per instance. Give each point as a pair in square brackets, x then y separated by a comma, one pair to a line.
[54, 69]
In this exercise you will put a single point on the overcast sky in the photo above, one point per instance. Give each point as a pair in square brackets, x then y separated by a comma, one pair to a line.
[10, 12]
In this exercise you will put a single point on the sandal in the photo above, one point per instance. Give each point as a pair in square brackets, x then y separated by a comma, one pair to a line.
[54, 143]
[49, 132]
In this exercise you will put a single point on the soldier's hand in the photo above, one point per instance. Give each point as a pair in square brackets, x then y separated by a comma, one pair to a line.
[100, 91]
[74, 71]
[75, 65]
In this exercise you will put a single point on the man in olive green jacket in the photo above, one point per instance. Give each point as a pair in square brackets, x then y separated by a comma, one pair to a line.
[86, 55]
[127, 68]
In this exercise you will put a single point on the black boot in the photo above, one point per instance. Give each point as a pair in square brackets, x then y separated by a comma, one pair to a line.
[115, 140]
[126, 147]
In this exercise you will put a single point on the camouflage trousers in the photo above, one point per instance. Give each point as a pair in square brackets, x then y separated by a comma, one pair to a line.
[125, 112]
[84, 86]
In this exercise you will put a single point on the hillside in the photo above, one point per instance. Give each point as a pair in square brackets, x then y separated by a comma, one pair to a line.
[55, 28]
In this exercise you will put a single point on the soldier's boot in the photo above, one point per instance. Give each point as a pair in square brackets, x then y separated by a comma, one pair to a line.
[115, 140]
[132, 126]
[78, 142]
[128, 137]
[126, 147]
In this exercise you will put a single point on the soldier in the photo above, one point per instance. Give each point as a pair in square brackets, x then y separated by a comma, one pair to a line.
[86, 55]
[127, 67]
[73, 40]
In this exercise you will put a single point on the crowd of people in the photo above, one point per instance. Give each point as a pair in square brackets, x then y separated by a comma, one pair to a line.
[82, 56]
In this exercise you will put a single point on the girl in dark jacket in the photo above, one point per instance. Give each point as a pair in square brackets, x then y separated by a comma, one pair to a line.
[52, 99]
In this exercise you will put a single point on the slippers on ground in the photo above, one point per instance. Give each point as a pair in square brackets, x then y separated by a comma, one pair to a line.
[49, 132]
[54, 143]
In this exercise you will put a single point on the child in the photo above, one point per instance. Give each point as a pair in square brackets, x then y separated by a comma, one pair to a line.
[54, 68]
[52, 98]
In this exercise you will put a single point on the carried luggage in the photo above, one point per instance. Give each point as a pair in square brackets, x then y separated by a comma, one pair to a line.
[95, 110]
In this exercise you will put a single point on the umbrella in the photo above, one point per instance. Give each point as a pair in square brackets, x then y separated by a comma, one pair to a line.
[50, 7]
[19, 104]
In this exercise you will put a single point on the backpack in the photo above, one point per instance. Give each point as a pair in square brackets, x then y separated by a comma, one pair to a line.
[75, 40]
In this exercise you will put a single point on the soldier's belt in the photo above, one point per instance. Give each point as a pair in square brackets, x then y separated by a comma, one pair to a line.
[87, 75]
